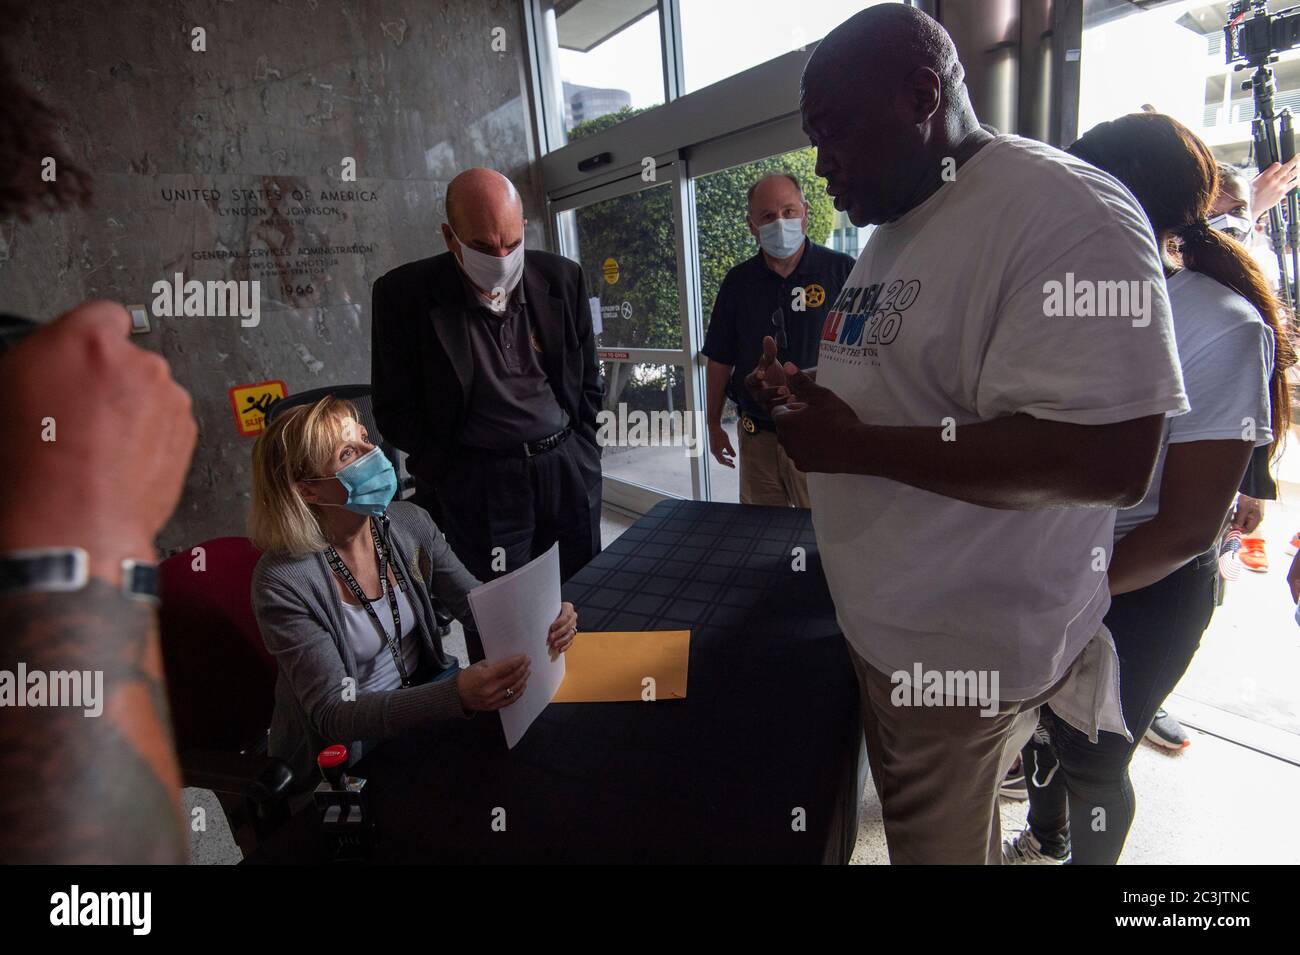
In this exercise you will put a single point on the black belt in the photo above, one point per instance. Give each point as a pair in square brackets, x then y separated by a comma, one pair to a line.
[527, 449]
[753, 425]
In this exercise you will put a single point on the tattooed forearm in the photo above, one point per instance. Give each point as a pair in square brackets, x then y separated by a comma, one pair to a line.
[78, 788]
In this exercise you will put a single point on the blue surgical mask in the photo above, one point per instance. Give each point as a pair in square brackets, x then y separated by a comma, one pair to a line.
[370, 481]
[781, 238]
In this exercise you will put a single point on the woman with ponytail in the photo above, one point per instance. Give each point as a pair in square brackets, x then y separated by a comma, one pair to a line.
[1234, 350]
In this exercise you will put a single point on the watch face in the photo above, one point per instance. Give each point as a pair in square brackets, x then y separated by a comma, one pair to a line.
[140, 580]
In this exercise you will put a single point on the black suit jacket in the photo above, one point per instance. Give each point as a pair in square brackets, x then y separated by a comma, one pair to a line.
[422, 367]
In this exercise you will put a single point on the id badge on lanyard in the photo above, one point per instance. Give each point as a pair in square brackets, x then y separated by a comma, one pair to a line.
[394, 641]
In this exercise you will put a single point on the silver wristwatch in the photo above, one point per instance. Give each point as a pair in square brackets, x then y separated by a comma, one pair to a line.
[56, 569]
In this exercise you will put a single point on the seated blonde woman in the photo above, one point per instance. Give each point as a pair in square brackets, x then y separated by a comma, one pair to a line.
[343, 593]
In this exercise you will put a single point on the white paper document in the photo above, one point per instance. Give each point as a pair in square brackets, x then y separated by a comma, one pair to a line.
[513, 614]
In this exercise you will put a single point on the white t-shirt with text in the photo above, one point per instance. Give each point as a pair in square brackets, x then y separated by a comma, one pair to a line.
[1226, 352]
[1030, 284]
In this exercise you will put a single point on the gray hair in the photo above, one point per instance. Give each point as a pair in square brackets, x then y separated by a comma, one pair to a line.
[784, 173]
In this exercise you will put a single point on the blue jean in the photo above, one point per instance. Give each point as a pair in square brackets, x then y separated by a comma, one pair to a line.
[1089, 799]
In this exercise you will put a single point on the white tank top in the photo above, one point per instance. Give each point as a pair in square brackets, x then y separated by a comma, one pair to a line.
[375, 668]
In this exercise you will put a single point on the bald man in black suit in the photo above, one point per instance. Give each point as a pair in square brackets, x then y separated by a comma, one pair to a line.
[484, 370]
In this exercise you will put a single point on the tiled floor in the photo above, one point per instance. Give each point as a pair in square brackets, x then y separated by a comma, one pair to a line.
[1243, 675]
[1218, 801]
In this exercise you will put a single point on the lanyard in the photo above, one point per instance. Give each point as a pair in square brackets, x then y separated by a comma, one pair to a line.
[394, 641]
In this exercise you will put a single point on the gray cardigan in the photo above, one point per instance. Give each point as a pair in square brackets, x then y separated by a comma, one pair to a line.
[300, 614]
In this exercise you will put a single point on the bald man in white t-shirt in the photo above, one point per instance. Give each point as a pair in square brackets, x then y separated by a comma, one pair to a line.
[992, 384]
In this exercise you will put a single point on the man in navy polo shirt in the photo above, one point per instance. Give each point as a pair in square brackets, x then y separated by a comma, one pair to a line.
[783, 291]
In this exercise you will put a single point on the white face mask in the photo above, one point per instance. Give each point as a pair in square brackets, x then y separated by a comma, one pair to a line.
[1237, 226]
[497, 275]
[781, 238]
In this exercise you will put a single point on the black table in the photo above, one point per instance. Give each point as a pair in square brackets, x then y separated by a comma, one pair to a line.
[769, 732]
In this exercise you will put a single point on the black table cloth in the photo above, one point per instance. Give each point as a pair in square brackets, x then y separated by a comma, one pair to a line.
[762, 762]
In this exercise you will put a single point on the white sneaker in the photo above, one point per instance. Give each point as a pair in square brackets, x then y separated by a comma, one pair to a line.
[1025, 849]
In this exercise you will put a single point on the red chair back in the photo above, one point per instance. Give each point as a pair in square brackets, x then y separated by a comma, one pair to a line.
[220, 678]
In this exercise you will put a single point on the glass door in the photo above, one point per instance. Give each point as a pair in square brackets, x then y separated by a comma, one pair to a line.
[626, 236]
[721, 207]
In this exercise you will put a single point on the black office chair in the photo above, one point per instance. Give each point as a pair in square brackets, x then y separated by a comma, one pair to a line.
[360, 396]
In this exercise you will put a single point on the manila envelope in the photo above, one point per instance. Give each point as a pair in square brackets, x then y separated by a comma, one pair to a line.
[610, 667]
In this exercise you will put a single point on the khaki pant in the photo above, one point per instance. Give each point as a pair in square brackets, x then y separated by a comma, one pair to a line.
[767, 475]
[937, 770]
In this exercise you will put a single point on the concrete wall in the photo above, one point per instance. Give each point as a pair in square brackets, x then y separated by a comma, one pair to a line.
[411, 89]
